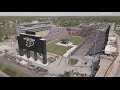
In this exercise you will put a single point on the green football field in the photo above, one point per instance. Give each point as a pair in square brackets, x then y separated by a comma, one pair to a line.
[52, 47]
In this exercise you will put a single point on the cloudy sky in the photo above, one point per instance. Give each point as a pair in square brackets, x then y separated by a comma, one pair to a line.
[59, 13]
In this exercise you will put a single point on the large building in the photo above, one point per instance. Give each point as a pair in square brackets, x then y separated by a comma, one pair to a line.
[34, 26]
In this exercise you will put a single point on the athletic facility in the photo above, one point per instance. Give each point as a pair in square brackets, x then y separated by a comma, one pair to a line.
[66, 41]
[82, 45]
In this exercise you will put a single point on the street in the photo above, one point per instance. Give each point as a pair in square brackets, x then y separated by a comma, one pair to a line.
[116, 69]
[118, 61]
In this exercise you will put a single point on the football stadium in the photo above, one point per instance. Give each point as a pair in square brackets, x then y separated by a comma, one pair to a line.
[77, 45]
[58, 39]
[53, 50]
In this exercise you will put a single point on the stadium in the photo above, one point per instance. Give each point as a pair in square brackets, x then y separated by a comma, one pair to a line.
[82, 43]
[60, 46]
[53, 36]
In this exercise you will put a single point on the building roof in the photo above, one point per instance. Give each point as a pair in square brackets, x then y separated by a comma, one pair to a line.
[112, 38]
[35, 22]
[110, 48]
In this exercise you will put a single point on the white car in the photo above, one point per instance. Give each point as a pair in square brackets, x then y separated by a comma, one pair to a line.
[32, 67]
[23, 63]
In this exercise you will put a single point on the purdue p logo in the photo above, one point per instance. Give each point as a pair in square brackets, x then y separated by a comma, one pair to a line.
[29, 42]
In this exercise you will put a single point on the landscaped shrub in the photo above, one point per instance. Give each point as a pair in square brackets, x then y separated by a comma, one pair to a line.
[72, 61]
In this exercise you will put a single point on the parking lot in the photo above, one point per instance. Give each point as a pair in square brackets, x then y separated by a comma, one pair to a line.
[26, 67]
[56, 64]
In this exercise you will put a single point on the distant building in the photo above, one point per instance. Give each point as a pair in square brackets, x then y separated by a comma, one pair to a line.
[110, 47]
[34, 22]
[1, 24]
[11, 24]
[34, 26]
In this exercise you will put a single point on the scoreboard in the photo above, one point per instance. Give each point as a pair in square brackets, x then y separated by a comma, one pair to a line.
[30, 42]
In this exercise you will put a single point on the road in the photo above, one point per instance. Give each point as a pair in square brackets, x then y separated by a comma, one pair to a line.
[116, 69]
[117, 74]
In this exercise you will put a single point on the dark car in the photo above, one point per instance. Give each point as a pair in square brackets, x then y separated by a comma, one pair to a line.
[44, 70]
[1, 52]
[41, 70]
[37, 69]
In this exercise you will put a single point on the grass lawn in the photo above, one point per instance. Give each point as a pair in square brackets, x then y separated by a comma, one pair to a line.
[118, 32]
[61, 50]
[72, 61]
[57, 49]
[12, 71]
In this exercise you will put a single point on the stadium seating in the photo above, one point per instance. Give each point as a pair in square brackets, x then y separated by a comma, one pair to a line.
[56, 33]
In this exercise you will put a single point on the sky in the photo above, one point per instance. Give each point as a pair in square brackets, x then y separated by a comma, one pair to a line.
[59, 13]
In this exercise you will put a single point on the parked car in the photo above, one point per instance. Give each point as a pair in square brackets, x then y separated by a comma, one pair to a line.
[32, 67]
[23, 63]
[37, 69]
[18, 61]
[41, 70]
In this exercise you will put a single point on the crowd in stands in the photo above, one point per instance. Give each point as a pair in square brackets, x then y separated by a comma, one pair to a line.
[56, 33]
[96, 33]
[91, 36]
